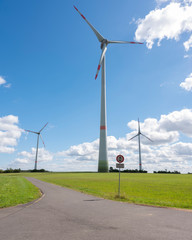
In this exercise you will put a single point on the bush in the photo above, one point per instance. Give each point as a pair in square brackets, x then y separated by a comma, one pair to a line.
[165, 171]
[38, 170]
[111, 169]
[10, 170]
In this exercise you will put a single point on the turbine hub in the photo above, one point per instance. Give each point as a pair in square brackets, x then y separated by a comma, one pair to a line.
[104, 41]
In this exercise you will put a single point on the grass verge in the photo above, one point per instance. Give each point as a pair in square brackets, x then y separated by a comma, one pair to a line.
[16, 190]
[167, 190]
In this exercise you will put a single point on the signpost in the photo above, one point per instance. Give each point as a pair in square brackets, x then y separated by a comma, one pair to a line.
[119, 165]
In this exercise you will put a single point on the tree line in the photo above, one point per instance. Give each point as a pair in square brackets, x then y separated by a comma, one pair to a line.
[10, 170]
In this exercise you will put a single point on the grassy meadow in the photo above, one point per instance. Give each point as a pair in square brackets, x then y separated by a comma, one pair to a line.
[15, 190]
[170, 190]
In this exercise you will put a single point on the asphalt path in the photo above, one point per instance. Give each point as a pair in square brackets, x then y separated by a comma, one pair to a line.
[62, 213]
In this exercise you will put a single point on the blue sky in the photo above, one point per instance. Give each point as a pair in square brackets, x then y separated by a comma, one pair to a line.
[49, 57]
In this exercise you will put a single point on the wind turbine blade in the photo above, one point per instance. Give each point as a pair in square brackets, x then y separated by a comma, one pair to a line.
[133, 137]
[42, 140]
[100, 61]
[43, 127]
[125, 42]
[98, 35]
[139, 131]
[30, 131]
[146, 137]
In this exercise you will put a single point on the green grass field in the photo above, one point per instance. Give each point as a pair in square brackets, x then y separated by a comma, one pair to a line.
[170, 190]
[15, 190]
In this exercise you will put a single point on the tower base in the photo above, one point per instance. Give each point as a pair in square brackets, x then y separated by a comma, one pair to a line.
[103, 166]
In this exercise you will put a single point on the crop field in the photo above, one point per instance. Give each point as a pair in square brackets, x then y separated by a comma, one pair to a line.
[16, 190]
[168, 190]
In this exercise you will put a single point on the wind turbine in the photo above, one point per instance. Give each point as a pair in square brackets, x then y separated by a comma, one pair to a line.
[138, 135]
[103, 159]
[38, 134]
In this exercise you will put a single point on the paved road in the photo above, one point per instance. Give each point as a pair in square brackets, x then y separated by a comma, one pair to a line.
[66, 214]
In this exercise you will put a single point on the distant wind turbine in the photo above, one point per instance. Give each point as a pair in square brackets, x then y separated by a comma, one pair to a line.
[103, 159]
[38, 134]
[138, 135]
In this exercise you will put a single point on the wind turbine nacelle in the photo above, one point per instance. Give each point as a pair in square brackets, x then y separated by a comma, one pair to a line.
[104, 41]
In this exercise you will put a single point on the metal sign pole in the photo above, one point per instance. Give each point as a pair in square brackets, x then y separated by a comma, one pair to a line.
[119, 184]
[119, 165]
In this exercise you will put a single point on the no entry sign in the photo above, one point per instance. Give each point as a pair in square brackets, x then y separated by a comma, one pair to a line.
[119, 165]
[120, 158]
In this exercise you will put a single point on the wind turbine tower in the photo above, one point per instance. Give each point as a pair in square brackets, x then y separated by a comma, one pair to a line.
[103, 159]
[38, 134]
[139, 144]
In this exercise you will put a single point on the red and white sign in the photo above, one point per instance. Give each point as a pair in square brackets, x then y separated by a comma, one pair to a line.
[120, 158]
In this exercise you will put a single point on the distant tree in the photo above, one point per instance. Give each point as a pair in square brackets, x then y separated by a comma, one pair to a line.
[38, 170]
[10, 170]
[111, 169]
[168, 172]
[17, 170]
[134, 171]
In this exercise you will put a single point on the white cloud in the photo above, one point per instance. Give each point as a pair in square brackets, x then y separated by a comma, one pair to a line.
[159, 2]
[187, 56]
[2, 80]
[43, 155]
[152, 129]
[4, 83]
[7, 85]
[166, 130]
[167, 151]
[162, 1]
[26, 160]
[9, 133]
[167, 22]
[4, 149]
[187, 84]
[183, 149]
[82, 149]
[180, 121]
[188, 44]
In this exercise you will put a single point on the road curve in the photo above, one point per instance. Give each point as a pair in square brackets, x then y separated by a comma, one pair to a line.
[64, 214]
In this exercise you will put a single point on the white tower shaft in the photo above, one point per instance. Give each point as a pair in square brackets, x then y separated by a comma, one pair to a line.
[103, 159]
[36, 152]
[140, 163]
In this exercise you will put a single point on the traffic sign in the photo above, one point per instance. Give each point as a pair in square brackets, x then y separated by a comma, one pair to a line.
[119, 165]
[120, 158]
